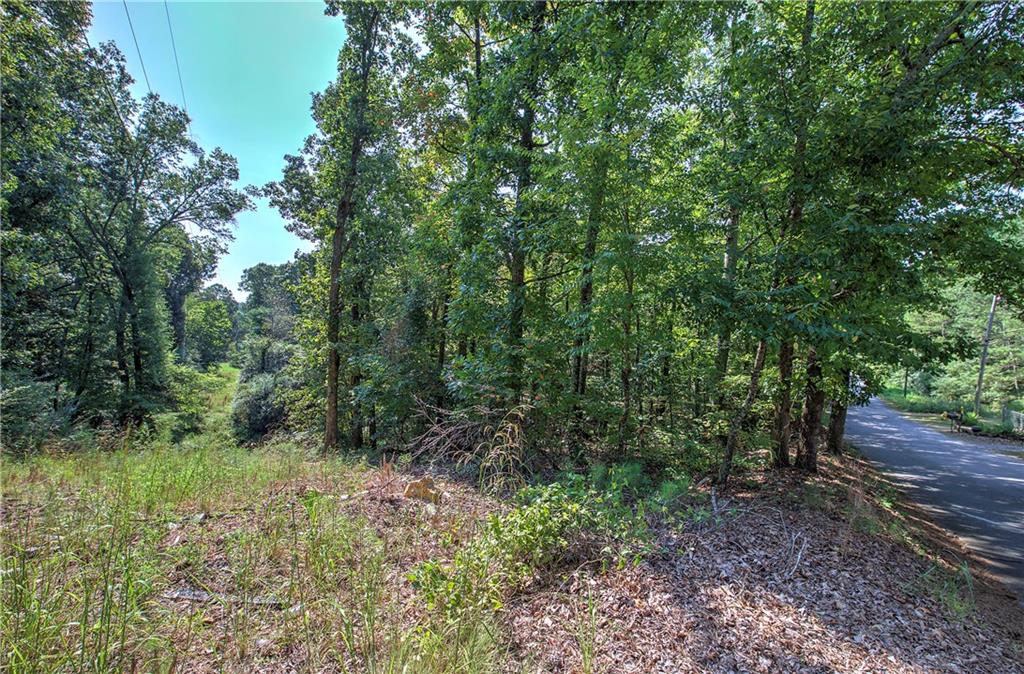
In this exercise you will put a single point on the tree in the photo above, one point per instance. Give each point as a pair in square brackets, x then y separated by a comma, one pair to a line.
[325, 190]
[207, 330]
[98, 191]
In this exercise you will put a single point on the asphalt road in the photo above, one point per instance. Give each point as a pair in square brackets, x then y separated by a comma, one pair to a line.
[965, 483]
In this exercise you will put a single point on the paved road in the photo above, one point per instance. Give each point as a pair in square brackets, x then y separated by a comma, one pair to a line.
[968, 486]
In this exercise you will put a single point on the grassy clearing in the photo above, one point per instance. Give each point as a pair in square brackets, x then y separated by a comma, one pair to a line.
[93, 545]
[138, 553]
[913, 402]
[151, 557]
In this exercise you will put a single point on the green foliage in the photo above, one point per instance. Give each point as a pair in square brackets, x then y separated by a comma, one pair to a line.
[110, 209]
[259, 407]
[953, 588]
[553, 524]
[190, 392]
[29, 417]
[914, 402]
[959, 321]
[208, 331]
[654, 225]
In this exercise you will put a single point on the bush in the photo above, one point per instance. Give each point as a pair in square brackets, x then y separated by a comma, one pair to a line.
[262, 355]
[258, 407]
[28, 415]
[566, 520]
[189, 391]
[921, 404]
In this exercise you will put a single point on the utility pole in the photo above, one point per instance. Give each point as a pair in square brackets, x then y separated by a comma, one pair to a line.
[984, 355]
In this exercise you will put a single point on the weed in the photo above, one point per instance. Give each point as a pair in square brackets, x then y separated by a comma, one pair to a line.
[953, 589]
[586, 633]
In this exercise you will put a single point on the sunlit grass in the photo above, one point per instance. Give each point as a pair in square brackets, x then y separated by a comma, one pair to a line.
[138, 554]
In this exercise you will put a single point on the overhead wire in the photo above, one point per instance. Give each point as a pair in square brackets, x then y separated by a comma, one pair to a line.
[137, 50]
[174, 48]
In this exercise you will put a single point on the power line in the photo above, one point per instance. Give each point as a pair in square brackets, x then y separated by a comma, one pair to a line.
[174, 48]
[137, 50]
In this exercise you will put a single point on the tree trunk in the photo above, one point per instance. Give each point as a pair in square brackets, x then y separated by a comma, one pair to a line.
[338, 246]
[626, 371]
[740, 420]
[836, 427]
[729, 276]
[579, 363]
[984, 355]
[780, 434]
[522, 214]
[469, 219]
[120, 353]
[810, 418]
[340, 239]
[87, 352]
[136, 330]
[177, 309]
[442, 342]
[792, 223]
[372, 430]
[595, 215]
[356, 433]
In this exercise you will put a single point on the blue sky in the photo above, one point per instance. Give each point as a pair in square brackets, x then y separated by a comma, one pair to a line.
[248, 70]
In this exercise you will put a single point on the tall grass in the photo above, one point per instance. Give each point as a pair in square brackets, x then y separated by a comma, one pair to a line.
[89, 555]
[139, 553]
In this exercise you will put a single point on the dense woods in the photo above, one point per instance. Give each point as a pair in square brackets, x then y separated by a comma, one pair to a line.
[655, 232]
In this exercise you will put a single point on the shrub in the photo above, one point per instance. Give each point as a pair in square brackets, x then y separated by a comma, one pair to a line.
[553, 523]
[189, 391]
[258, 407]
[28, 414]
[262, 355]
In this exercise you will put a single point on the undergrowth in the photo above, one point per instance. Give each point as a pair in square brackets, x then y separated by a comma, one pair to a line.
[143, 551]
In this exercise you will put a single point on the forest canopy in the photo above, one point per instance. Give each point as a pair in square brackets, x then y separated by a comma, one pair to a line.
[645, 231]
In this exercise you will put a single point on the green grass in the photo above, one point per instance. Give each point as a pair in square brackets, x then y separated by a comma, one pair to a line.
[990, 421]
[913, 402]
[96, 541]
[953, 588]
[85, 559]
[143, 551]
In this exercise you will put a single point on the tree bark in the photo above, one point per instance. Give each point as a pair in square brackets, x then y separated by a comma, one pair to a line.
[740, 420]
[87, 352]
[810, 418]
[136, 332]
[984, 355]
[626, 371]
[595, 216]
[356, 431]
[340, 240]
[338, 247]
[177, 308]
[524, 180]
[792, 223]
[442, 341]
[729, 276]
[836, 427]
[594, 213]
[780, 434]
